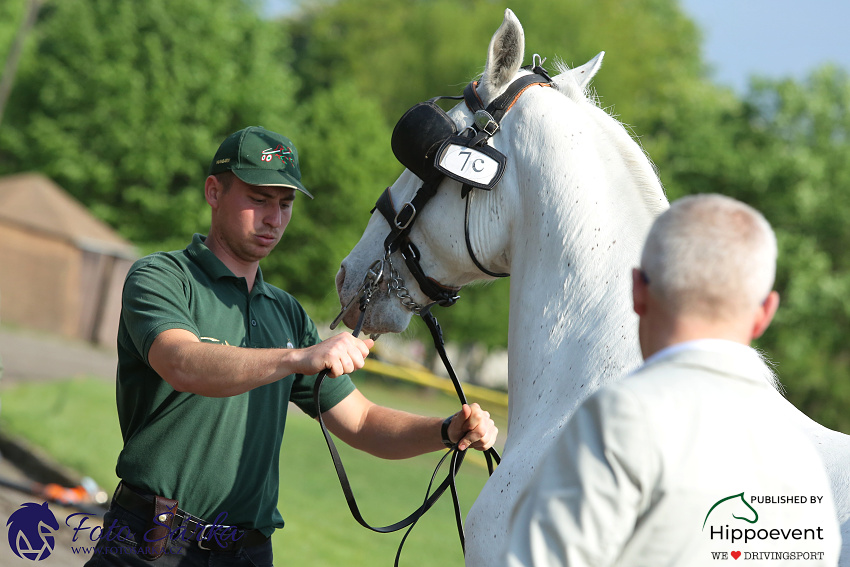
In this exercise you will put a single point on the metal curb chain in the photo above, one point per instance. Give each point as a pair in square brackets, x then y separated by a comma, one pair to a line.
[396, 286]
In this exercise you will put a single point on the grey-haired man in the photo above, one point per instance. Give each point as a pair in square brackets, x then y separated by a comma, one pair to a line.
[691, 459]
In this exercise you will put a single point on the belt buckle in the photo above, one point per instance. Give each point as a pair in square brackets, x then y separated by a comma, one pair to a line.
[202, 537]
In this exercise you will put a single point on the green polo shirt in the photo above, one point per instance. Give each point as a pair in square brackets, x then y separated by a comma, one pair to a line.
[212, 455]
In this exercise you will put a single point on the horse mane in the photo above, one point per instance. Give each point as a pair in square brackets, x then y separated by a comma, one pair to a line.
[636, 157]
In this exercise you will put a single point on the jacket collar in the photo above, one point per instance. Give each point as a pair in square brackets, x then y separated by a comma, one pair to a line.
[715, 355]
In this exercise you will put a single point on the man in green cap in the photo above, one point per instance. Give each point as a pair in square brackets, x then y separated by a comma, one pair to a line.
[209, 357]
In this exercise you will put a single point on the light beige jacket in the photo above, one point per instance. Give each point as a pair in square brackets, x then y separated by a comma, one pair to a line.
[661, 469]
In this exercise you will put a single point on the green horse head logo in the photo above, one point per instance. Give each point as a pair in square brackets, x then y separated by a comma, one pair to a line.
[733, 499]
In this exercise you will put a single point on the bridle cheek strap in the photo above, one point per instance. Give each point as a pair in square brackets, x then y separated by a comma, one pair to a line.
[399, 239]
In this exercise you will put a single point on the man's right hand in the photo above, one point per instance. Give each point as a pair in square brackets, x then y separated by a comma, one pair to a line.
[340, 354]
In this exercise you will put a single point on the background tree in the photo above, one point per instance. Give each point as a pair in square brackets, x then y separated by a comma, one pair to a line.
[123, 102]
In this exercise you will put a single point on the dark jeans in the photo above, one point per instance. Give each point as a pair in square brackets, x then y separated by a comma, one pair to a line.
[124, 543]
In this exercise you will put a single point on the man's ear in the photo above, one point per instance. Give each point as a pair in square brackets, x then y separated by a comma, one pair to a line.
[212, 190]
[764, 314]
[639, 291]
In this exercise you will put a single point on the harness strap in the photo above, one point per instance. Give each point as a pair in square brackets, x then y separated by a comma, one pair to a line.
[437, 335]
[400, 223]
[411, 519]
[471, 98]
[502, 103]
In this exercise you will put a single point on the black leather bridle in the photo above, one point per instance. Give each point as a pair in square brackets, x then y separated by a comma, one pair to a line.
[485, 125]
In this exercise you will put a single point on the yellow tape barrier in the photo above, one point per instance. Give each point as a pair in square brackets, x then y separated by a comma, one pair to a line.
[424, 378]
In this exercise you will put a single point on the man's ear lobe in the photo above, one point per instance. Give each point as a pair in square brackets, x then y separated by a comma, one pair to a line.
[639, 291]
[764, 314]
[212, 189]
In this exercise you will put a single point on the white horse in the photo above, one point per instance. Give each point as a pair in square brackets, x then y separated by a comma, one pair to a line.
[567, 221]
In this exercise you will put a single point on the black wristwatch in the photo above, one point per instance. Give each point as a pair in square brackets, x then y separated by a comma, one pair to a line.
[444, 430]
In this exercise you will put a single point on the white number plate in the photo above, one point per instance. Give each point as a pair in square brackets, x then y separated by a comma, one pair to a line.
[469, 165]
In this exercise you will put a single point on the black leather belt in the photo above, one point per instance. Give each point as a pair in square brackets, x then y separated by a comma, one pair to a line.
[208, 536]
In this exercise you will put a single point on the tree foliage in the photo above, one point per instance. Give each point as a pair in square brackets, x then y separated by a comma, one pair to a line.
[11, 16]
[123, 103]
[400, 53]
[802, 184]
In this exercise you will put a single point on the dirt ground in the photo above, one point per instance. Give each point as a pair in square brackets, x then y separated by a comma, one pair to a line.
[27, 356]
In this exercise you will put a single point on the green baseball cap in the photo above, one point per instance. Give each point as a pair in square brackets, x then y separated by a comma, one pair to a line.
[259, 157]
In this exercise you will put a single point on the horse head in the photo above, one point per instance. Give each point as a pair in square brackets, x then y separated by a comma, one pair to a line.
[467, 235]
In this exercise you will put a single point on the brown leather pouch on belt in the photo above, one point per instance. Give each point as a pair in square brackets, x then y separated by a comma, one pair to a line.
[159, 530]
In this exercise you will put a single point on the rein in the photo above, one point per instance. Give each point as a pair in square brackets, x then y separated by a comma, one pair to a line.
[364, 295]
[429, 118]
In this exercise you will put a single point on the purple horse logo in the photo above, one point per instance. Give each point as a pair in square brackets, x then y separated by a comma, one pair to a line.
[31, 530]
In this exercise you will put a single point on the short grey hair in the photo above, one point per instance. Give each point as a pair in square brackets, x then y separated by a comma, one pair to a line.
[710, 256]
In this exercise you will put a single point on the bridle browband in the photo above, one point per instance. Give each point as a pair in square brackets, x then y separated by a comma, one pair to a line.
[485, 125]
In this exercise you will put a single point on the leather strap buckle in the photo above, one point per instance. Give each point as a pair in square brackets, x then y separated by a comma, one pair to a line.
[203, 536]
[485, 122]
[403, 223]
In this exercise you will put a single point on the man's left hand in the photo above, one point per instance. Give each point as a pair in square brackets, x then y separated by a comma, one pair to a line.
[474, 428]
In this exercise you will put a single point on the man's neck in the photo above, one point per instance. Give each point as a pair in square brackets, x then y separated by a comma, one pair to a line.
[681, 330]
[239, 267]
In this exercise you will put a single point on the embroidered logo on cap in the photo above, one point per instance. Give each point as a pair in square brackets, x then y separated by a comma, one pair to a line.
[281, 151]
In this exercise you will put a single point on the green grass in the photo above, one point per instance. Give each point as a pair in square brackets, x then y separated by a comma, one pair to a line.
[73, 420]
[76, 423]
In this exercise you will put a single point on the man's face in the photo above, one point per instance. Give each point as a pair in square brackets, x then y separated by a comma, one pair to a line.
[251, 219]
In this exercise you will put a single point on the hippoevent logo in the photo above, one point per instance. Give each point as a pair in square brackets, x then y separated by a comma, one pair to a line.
[733, 523]
[732, 500]
[31, 529]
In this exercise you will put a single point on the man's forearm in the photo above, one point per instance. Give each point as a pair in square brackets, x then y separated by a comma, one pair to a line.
[395, 434]
[216, 370]
[382, 431]
[189, 365]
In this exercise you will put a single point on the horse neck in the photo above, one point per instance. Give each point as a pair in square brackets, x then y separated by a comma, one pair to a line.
[582, 224]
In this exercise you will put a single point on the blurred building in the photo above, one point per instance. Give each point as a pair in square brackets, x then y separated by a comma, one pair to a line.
[61, 269]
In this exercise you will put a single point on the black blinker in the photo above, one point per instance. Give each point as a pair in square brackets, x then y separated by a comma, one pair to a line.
[418, 135]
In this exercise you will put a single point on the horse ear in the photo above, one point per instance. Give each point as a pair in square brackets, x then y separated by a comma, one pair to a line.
[586, 72]
[504, 56]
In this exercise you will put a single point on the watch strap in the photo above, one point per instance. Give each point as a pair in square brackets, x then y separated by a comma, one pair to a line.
[444, 431]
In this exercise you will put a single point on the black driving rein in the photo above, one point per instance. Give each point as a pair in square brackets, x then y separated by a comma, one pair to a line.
[370, 284]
